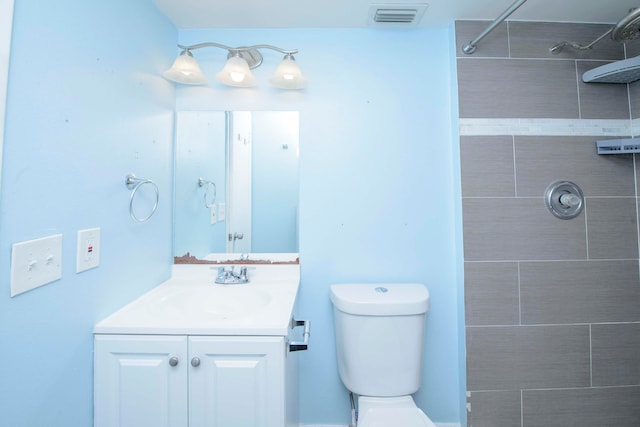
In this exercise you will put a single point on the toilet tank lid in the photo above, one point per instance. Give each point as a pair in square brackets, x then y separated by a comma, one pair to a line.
[380, 299]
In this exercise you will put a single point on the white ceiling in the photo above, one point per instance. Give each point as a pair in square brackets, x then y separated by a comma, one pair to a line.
[192, 14]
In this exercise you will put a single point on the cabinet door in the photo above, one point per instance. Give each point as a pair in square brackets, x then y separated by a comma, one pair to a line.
[237, 382]
[136, 383]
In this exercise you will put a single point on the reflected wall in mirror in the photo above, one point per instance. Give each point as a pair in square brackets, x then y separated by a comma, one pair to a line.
[236, 187]
[6, 23]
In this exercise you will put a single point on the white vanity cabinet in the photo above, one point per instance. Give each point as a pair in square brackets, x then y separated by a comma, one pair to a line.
[193, 353]
[194, 381]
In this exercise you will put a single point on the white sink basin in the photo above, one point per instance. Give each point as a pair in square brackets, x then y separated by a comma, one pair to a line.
[215, 301]
[190, 303]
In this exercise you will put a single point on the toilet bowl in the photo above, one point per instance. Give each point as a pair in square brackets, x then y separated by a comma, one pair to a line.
[391, 412]
[379, 342]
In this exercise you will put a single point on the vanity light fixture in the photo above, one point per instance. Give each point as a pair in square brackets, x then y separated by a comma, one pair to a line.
[237, 70]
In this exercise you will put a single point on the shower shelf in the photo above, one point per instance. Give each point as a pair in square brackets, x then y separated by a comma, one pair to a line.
[618, 146]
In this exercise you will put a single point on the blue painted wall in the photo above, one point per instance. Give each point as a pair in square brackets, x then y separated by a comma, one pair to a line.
[378, 189]
[86, 106]
[275, 181]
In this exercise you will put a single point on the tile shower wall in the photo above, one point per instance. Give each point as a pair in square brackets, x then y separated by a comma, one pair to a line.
[552, 306]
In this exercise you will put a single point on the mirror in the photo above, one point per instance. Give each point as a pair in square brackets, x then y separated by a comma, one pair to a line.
[236, 187]
[6, 22]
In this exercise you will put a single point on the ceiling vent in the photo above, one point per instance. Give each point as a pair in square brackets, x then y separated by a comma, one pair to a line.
[396, 15]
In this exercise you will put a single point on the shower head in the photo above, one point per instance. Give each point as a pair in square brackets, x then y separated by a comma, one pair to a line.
[626, 29]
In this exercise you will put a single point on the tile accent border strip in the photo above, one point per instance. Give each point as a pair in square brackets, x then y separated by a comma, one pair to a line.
[550, 127]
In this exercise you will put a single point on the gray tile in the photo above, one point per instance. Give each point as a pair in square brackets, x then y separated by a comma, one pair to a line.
[579, 292]
[495, 44]
[541, 160]
[486, 164]
[632, 48]
[534, 39]
[591, 407]
[495, 409]
[612, 229]
[615, 349]
[634, 93]
[506, 229]
[517, 88]
[525, 357]
[636, 158]
[491, 293]
[601, 100]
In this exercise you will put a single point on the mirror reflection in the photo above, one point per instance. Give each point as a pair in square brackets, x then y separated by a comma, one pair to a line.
[236, 186]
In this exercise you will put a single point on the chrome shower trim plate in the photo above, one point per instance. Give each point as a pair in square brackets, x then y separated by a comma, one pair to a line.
[564, 199]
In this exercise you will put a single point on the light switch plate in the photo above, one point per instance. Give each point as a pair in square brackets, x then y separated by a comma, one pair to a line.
[213, 214]
[88, 249]
[35, 263]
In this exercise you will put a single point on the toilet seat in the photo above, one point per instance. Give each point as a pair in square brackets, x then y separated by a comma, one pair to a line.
[394, 417]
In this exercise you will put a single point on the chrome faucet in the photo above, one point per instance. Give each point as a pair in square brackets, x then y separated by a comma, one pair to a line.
[231, 277]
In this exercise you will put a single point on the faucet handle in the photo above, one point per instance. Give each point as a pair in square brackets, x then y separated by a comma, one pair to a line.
[229, 275]
[226, 272]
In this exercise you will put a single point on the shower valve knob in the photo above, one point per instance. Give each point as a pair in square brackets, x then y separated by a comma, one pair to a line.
[569, 200]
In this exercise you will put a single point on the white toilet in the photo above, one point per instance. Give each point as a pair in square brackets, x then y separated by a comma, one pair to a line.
[379, 342]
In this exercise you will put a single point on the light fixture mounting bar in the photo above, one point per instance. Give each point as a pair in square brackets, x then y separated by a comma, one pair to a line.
[239, 48]
[276, 48]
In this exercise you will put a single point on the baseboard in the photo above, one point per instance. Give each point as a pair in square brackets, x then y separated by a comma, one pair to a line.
[323, 425]
[342, 425]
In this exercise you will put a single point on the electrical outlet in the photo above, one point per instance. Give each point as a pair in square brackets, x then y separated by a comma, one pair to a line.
[35, 263]
[222, 211]
[88, 250]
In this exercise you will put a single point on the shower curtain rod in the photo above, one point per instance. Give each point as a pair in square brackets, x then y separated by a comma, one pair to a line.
[470, 47]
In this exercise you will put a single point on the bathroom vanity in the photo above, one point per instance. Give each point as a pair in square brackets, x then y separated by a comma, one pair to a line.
[194, 353]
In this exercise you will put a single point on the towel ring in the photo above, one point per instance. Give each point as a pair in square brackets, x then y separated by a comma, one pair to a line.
[134, 183]
[209, 184]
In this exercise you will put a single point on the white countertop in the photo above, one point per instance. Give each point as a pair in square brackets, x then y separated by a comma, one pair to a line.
[190, 303]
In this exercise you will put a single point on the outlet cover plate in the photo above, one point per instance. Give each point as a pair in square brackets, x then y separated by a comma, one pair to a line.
[35, 263]
[88, 249]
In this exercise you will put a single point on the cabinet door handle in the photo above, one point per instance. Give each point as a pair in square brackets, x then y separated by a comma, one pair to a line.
[304, 344]
[195, 362]
[173, 361]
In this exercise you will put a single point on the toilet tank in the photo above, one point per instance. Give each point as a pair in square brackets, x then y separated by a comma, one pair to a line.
[380, 336]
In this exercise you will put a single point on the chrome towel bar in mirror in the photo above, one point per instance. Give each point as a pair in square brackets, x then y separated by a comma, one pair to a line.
[209, 186]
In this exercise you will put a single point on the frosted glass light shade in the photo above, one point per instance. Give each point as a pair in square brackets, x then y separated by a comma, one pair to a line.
[288, 75]
[185, 70]
[236, 73]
